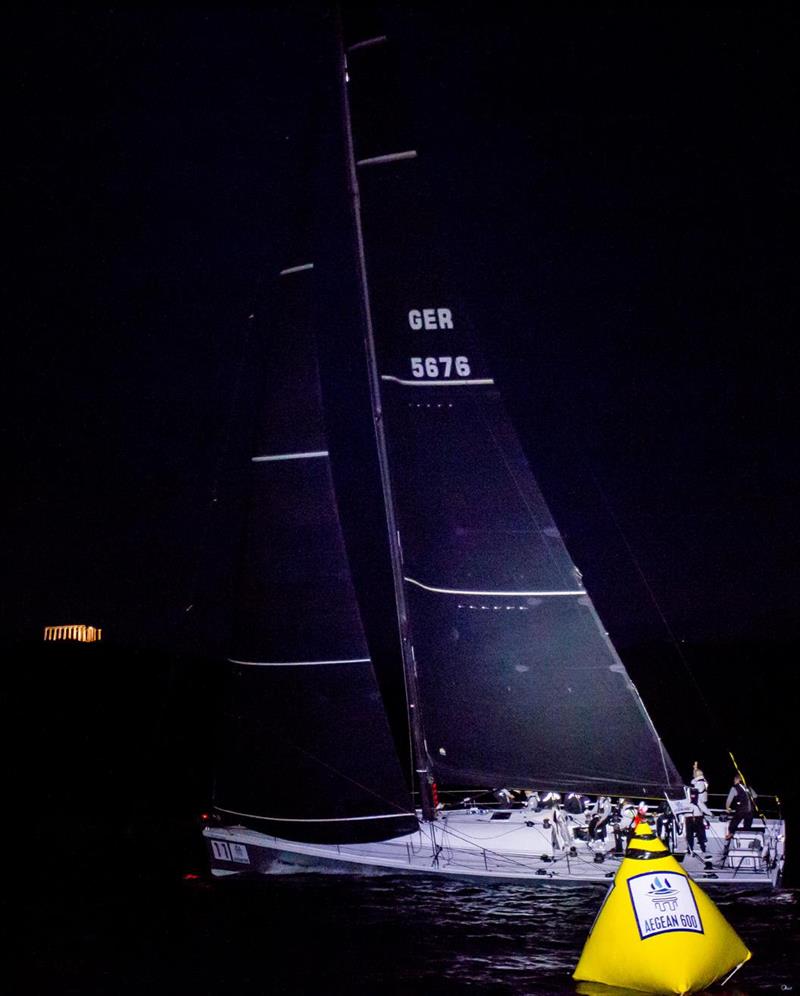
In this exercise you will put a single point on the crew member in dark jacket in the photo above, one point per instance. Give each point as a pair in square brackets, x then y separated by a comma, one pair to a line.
[740, 802]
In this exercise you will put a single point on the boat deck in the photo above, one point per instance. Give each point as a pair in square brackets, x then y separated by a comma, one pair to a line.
[502, 846]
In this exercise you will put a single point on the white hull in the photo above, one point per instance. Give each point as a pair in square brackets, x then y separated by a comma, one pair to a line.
[515, 846]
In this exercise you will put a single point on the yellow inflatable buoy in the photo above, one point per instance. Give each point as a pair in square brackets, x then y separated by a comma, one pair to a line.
[657, 931]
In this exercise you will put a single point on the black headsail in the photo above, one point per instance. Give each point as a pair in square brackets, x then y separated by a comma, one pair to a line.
[519, 683]
[306, 750]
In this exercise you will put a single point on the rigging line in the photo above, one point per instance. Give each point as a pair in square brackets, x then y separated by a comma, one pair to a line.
[181, 624]
[747, 787]
[651, 593]
[521, 493]
[222, 449]
[514, 829]
[637, 697]
[730, 975]
[497, 854]
[255, 299]
[579, 857]
[341, 774]
[321, 819]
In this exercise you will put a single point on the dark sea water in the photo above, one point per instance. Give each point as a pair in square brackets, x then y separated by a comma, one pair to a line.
[117, 900]
[125, 929]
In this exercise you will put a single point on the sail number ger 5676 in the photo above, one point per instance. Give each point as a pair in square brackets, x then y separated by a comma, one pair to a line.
[439, 366]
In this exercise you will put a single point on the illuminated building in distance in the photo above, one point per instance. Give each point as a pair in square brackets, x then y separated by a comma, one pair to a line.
[82, 634]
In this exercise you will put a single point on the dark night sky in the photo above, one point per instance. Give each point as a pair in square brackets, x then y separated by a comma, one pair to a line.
[616, 187]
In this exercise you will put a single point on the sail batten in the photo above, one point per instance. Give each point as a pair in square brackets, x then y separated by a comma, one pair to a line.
[301, 268]
[278, 457]
[437, 383]
[391, 157]
[367, 43]
[497, 594]
[346, 660]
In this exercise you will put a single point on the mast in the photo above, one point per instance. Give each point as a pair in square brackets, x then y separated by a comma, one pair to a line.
[420, 752]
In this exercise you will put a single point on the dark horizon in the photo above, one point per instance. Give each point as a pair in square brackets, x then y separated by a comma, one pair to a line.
[612, 187]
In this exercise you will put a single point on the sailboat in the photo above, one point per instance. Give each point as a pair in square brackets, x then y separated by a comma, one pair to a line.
[503, 694]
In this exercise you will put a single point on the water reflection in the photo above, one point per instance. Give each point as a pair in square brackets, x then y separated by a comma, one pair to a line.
[502, 938]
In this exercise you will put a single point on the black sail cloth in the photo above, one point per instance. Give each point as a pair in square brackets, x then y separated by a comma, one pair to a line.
[519, 682]
[306, 749]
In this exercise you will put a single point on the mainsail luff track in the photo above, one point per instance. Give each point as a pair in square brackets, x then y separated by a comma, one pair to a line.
[422, 778]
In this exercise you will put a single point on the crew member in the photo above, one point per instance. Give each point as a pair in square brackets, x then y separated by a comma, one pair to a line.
[575, 803]
[695, 820]
[627, 814]
[622, 822]
[550, 800]
[504, 797]
[532, 800]
[600, 818]
[741, 803]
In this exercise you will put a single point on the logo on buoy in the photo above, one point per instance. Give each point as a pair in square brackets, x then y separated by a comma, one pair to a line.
[664, 896]
[663, 903]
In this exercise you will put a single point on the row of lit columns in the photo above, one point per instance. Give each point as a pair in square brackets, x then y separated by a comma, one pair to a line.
[83, 634]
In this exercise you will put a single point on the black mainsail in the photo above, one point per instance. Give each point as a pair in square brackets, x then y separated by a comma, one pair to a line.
[519, 682]
[306, 750]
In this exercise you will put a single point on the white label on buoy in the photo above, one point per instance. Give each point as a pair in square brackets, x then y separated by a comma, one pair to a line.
[662, 903]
